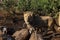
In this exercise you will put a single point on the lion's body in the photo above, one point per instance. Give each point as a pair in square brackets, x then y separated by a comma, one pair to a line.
[49, 20]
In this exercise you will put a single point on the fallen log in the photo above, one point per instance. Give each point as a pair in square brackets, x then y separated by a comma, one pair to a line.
[35, 36]
[21, 35]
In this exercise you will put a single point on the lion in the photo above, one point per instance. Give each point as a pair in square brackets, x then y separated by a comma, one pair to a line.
[34, 21]
[28, 14]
